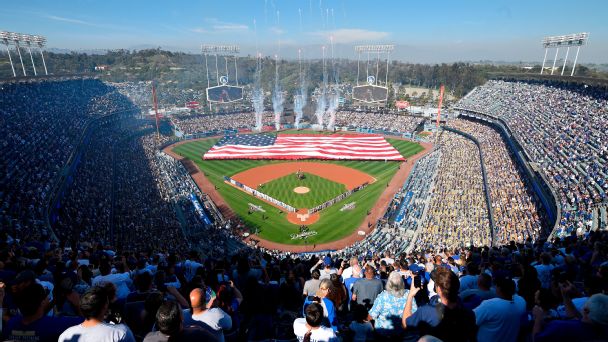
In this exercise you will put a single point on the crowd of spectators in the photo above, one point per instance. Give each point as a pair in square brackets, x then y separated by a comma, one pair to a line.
[124, 269]
[563, 128]
[219, 122]
[381, 121]
[541, 291]
[393, 234]
[457, 211]
[41, 123]
[516, 208]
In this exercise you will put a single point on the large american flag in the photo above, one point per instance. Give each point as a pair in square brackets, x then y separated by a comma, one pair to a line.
[304, 146]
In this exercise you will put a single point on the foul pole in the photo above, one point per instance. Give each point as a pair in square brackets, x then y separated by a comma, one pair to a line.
[154, 99]
[438, 112]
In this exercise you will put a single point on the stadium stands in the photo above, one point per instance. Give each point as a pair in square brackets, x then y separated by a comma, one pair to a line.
[562, 127]
[128, 221]
[386, 122]
[219, 122]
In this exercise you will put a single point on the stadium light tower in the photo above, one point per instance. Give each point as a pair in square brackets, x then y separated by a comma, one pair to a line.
[41, 41]
[16, 37]
[575, 39]
[27, 39]
[6, 36]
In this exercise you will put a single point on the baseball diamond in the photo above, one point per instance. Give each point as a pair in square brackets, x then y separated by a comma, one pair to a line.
[276, 225]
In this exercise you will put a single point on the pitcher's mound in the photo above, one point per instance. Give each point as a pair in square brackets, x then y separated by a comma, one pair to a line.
[301, 190]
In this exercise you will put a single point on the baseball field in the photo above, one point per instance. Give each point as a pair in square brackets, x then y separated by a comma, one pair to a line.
[315, 187]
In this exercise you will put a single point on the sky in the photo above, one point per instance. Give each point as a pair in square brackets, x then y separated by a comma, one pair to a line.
[422, 31]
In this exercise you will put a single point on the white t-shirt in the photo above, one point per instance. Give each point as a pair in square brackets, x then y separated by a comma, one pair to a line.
[99, 333]
[120, 280]
[347, 273]
[322, 334]
[216, 319]
[498, 319]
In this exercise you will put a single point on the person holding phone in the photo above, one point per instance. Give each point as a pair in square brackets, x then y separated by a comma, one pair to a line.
[446, 320]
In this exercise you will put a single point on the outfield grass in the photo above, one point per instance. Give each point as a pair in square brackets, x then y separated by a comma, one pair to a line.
[332, 225]
[321, 190]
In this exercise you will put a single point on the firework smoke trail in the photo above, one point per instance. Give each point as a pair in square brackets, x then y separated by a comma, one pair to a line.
[334, 95]
[300, 99]
[322, 99]
[257, 96]
[277, 96]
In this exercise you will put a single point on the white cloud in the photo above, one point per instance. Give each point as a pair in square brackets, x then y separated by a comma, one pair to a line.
[198, 30]
[352, 35]
[222, 26]
[69, 20]
[276, 30]
[230, 27]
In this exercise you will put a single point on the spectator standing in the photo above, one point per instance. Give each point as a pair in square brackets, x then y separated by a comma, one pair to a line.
[214, 318]
[388, 307]
[170, 324]
[94, 306]
[499, 319]
[367, 289]
[446, 320]
[310, 328]
[33, 323]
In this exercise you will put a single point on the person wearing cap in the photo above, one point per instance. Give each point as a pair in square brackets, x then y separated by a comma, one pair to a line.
[33, 323]
[213, 319]
[327, 269]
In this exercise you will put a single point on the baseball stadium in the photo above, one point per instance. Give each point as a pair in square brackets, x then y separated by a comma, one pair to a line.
[298, 172]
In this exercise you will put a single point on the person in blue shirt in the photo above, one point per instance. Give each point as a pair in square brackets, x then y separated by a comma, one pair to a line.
[33, 324]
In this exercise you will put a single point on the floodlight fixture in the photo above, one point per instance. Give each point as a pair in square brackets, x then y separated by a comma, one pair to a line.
[40, 40]
[374, 48]
[220, 49]
[569, 40]
[575, 39]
